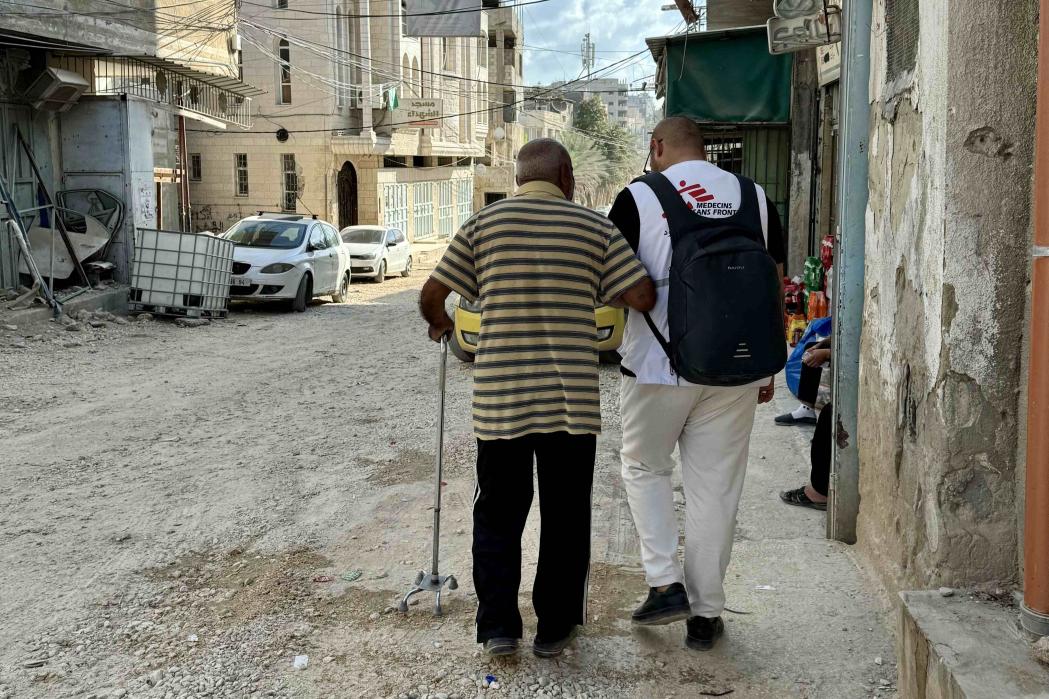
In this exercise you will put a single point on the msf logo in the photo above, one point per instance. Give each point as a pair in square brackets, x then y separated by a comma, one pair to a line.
[736, 268]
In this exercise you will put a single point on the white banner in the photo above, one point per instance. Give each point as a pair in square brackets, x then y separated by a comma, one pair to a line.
[443, 17]
[421, 112]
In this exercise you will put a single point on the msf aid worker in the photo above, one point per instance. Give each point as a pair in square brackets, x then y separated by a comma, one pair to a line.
[696, 366]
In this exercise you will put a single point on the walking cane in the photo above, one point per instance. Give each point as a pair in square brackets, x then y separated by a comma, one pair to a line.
[434, 581]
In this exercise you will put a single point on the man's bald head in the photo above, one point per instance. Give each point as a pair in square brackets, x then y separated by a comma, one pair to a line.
[675, 140]
[542, 159]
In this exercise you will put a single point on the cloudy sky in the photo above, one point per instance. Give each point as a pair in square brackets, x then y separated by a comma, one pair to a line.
[618, 28]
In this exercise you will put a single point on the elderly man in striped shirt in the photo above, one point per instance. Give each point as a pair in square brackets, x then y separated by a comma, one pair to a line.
[538, 265]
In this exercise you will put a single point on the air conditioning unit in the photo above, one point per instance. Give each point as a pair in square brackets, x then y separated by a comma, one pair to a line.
[56, 90]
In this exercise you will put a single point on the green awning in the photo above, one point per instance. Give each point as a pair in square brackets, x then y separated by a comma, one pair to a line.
[724, 77]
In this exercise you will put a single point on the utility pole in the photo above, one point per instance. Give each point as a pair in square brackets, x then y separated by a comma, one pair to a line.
[588, 52]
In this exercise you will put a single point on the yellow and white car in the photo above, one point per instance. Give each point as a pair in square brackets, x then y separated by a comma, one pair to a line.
[610, 325]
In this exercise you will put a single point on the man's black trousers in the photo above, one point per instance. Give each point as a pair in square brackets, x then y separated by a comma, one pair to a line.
[565, 467]
[820, 453]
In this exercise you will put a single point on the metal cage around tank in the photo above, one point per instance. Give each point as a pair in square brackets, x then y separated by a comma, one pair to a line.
[181, 274]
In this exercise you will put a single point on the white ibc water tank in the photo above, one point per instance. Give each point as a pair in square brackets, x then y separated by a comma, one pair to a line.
[184, 274]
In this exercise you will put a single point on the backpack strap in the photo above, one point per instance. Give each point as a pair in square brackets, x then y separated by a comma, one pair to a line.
[677, 212]
[749, 212]
[678, 215]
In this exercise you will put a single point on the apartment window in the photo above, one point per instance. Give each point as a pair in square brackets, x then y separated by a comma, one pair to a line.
[240, 173]
[240, 64]
[194, 167]
[482, 52]
[282, 4]
[284, 55]
[404, 18]
[291, 182]
[509, 106]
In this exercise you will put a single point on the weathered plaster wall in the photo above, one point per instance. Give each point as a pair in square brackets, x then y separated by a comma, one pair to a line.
[947, 238]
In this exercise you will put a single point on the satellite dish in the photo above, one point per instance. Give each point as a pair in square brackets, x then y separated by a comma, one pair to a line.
[499, 133]
[480, 169]
[282, 135]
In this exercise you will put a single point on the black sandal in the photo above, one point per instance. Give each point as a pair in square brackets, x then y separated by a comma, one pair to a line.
[798, 498]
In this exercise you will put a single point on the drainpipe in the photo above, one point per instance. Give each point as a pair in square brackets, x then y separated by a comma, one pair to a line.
[185, 214]
[1034, 613]
[852, 168]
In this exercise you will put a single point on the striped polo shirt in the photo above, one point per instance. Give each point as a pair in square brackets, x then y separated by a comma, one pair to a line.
[538, 265]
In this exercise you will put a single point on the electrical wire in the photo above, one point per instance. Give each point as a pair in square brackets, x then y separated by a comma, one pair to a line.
[325, 51]
[436, 13]
[450, 116]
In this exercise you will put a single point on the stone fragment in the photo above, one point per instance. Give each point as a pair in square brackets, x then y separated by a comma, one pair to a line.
[1040, 650]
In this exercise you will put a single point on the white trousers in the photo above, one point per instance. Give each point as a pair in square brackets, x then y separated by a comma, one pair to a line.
[711, 426]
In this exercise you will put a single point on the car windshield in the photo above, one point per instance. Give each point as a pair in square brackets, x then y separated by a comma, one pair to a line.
[363, 235]
[266, 234]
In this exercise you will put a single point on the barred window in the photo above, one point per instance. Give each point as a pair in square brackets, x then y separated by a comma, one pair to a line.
[240, 173]
[291, 182]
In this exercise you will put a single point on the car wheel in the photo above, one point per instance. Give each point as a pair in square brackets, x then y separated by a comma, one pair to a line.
[343, 291]
[610, 357]
[381, 276]
[407, 268]
[458, 351]
[304, 294]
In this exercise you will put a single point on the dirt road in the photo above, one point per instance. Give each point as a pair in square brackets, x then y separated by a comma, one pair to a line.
[183, 511]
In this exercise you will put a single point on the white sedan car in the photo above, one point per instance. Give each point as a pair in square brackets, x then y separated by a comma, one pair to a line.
[287, 257]
[377, 251]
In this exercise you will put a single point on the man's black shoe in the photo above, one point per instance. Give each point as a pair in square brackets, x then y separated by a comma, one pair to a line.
[703, 633]
[500, 646]
[663, 607]
[543, 648]
[788, 419]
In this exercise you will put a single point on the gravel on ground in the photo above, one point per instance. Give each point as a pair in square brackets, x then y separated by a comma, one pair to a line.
[188, 511]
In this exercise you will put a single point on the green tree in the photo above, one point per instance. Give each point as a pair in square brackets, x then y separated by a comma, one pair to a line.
[590, 116]
[589, 165]
[623, 158]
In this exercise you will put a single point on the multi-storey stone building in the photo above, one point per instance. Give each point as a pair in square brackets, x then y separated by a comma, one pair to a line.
[331, 136]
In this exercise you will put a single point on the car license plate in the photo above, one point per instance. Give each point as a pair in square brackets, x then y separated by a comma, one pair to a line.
[239, 281]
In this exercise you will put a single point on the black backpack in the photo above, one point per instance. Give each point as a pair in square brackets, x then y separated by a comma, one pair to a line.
[725, 309]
